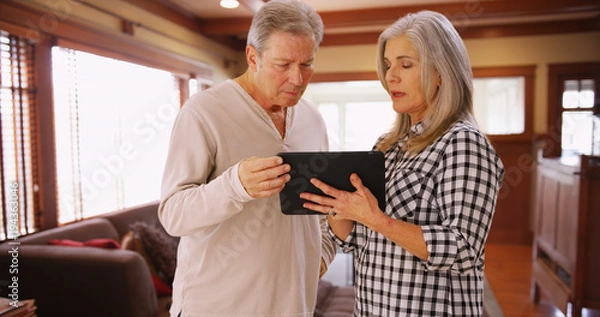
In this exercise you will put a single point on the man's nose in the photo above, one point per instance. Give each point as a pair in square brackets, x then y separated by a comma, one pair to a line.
[295, 75]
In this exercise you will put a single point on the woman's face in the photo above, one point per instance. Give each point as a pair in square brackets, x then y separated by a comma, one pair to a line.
[403, 78]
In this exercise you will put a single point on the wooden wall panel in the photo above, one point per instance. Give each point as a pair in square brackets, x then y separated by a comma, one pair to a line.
[511, 222]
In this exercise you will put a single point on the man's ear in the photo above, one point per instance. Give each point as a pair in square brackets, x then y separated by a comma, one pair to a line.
[251, 57]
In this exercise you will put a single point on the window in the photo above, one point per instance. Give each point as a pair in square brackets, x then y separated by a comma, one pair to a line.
[503, 101]
[358, 112]
[499, 104]
[573, 123]
[196, 85]
[19, 205]
[113, 120]
[577, 116]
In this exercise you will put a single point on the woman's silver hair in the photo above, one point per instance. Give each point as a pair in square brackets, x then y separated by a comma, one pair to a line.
[284, 15]
[441, 52]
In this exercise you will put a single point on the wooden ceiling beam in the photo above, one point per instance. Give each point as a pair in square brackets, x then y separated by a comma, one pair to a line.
[168, 11]
[467, 9]
[482, 31]
[252, 5]
[386, 16]
[225, 26]
[338, 24]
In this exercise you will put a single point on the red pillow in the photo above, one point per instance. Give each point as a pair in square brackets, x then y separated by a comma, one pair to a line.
[103, 243]
[98, 243]
[162, 288]
[66, 242]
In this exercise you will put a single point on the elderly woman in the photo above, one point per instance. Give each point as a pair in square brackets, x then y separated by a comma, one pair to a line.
[424, 254]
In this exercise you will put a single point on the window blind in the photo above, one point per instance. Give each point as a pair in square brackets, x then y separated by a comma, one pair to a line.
[111, 131]
[19, 207]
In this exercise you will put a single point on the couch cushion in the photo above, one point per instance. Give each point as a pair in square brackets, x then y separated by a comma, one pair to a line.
[160, 248]
[97, 243]
[324, 288]
[83, 230]
[334, 301]
[341, 301]
[134, 243]
[123, 219]
[68, 281]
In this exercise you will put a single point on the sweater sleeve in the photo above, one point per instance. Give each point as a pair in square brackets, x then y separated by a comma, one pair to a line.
[328, 245]
[191, 201]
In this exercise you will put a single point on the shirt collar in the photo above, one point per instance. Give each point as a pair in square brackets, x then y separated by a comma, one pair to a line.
[417, 129]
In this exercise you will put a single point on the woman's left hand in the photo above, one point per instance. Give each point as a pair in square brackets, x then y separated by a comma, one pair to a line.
[360, 205]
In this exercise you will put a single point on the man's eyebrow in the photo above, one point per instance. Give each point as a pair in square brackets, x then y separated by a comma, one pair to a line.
[285, 60]
[401, 57]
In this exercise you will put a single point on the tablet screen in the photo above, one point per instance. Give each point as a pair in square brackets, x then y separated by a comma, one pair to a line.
[333, 168]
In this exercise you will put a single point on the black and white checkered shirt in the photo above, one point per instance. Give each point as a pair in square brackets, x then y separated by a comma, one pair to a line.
[450, 190]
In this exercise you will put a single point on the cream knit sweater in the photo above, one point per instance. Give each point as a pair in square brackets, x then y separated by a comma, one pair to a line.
[238, 256]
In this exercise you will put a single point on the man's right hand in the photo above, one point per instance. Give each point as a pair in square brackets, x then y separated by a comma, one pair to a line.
[263, 177]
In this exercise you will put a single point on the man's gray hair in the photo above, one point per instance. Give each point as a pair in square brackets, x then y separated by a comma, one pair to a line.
[284, 15]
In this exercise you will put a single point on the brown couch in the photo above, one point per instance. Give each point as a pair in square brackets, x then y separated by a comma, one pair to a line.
[92, 281]
[85, 281]
[334, 301]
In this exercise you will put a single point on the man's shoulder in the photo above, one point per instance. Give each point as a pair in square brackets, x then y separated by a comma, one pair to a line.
[211, 97]
[222, 89]
[307, 107]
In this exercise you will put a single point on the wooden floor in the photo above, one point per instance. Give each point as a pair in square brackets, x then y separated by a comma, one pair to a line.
[508, 270]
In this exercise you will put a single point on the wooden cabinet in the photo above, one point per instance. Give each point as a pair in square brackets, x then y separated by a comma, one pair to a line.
[566, 248]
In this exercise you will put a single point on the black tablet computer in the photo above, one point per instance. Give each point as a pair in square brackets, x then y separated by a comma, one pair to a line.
[333, 168]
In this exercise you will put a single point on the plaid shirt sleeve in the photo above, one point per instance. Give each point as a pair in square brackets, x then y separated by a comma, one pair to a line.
[467, 185]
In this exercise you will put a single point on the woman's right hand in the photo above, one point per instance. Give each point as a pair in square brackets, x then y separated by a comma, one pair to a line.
[356, 205]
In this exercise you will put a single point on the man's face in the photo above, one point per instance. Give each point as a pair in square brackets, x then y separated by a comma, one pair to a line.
[284, 69]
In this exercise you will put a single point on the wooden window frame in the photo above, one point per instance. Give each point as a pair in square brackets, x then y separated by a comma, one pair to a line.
[528, 72]
[557, 74]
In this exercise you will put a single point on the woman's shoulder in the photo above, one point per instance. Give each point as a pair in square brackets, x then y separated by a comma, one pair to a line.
[464, 129]
[464, 126]
[466, 135]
